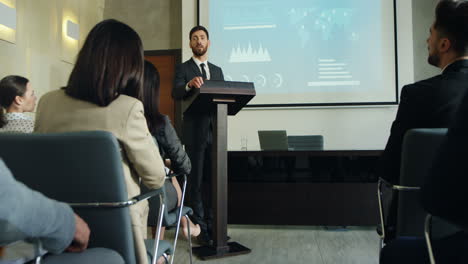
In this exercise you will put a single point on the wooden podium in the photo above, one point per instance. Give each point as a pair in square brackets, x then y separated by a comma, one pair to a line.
[221, 99]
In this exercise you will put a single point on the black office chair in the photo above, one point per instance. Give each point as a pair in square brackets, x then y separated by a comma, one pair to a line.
[309, 142]
[83, 169]
[302, 143]
[444, 196]
[418, 151]
[428, 236]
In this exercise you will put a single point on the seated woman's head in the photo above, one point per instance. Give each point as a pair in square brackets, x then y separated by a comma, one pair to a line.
[109, 64]
[16, 95]
[150, 96]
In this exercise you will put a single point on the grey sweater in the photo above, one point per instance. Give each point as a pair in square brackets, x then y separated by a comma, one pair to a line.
[26, 214]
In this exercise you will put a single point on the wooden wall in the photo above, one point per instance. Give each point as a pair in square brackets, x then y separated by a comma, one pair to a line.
[165, 61]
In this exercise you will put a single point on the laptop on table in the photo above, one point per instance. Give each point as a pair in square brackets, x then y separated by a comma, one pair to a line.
[273, 140]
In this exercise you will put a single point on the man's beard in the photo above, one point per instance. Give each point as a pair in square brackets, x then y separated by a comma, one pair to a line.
[434, 59]
[198, 52]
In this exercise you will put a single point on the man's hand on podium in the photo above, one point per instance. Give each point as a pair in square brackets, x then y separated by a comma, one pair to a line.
[196, 82]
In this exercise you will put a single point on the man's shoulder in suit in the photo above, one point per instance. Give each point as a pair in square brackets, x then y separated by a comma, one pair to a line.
[424, 84]
[216, 72]
[186, 63]
[213, 66]
[456, 73]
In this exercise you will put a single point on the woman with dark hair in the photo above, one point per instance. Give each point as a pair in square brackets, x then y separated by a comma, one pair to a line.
[109, 66]
[16, 98]
[169, 145]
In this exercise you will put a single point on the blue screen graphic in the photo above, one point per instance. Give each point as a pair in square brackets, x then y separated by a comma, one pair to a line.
[301, 47]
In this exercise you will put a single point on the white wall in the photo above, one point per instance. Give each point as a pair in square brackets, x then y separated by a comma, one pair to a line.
[158, 22]
[423, 17]
[344, 127]
[38, 51]
[189, 20]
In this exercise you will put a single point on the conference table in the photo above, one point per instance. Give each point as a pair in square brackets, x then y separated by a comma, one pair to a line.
[303, 187]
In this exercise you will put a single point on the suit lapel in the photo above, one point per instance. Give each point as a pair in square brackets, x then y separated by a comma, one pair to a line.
[210, 67]
[213, 72]
[195, 68]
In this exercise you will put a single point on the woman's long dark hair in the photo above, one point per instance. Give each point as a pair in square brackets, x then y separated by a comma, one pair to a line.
[150, 97]
[10, 87]
[109, 64]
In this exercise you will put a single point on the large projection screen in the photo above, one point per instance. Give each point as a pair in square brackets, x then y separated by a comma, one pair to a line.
[306, 52]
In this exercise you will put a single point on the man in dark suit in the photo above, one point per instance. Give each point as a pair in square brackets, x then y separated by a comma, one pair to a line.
[431, 103]
[444, 190]
[197, 128]
[443, 193]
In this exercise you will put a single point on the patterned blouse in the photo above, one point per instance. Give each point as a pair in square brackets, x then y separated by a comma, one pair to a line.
[18, 122]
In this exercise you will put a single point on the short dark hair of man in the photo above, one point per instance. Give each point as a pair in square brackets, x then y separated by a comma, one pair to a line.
[451, 21]
[197, 28]
[109, 64]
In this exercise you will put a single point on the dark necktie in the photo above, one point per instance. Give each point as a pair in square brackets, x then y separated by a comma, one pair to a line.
[203, 72]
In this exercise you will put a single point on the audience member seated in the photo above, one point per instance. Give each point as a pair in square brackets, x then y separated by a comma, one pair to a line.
[444, 191]
[443, 195]
[16, 98]
[26, 214]
[107, 69]
[170, 148]
[430, 103]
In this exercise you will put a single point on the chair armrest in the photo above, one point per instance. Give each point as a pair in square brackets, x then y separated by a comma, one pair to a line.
[131, 201]
[398, 187]
[394, 187]
[405, 188]
[380, 182]
[147, 195]
[427, 236]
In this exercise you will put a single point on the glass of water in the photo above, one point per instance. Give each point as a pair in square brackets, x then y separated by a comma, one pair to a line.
[243, 143]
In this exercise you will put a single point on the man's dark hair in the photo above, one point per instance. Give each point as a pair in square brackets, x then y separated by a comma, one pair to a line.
[451, 21]
[109, 64]
[197, 28]
[10, 87]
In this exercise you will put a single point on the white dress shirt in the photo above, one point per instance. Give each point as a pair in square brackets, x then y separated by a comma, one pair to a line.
[207, 69]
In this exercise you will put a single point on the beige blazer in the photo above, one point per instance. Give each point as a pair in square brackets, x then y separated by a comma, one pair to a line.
[124, 117]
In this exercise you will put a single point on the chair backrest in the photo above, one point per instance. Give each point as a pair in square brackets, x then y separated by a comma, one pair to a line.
[419, 149]
[76, 167]
[310, 142]
[273, 139]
